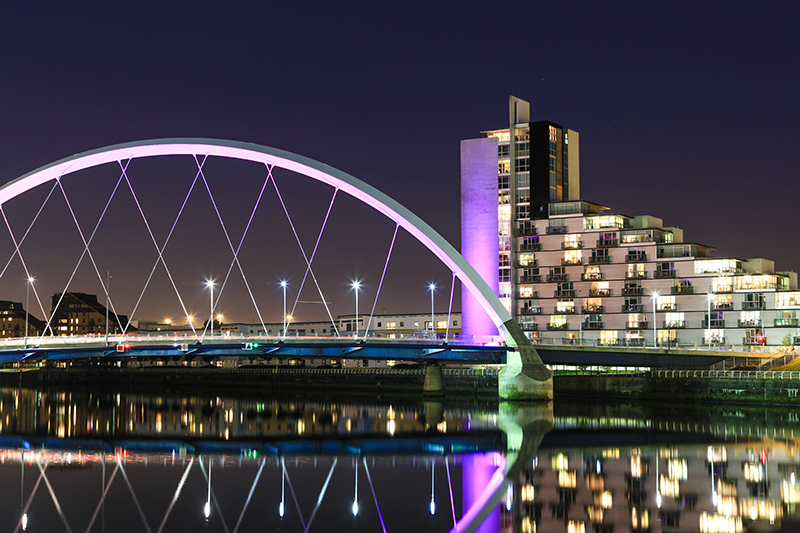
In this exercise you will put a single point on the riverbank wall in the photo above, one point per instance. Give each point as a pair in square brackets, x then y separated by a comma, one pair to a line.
[680, 389]
[353, 381]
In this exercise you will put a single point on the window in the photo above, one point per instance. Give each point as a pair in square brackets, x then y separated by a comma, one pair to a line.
[565, 306]
[504, 167]
[673, 320]
[503, 150]
[455, 322]
[390, 325]
[526, 259]
[522, 164]
[379, 325]
[503, 182]
[723, 284]
[665, 303]
[402, 324]
[441, 324]
[787, 299]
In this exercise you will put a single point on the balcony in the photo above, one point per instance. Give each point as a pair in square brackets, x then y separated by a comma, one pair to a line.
[662, 274]
[716, 323]
[531, 310]
[668, 307]
[633, 308]
[637, 325]
[594, 276]
[784, 322]
[674, 324]
[564, 293]
[533, 278]
[749, 323]
[592, 325]
[529, 326]
[629, 342]
[682, 289]
[565, 311]
[593, 308]
[557, 277]
[607, 243]
[533, 263]
[636, 258]
[715, 340]
[530, 246]
[600, 292]
[596, 259]
[574, 245]
[572, 261]
[753, 341]
[636, 275]
[527, 295]
[632, 291]
[556, 230]
[753, 305]
[722, 306]
[525, 231]
[557, 327]
[723, 288]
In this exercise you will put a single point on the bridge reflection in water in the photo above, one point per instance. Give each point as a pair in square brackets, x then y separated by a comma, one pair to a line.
[132, 462]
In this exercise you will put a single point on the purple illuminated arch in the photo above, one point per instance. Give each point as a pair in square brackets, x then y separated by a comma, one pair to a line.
[371, 196]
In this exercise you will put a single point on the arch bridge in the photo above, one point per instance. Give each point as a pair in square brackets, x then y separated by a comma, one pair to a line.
[524, 377]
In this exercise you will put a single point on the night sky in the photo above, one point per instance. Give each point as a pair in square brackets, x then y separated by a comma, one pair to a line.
[687, 111]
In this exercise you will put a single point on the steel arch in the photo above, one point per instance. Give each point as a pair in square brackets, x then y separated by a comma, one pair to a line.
[338, 179]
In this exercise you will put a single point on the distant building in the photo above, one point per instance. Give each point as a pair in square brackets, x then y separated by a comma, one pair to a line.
[77, 313]
[569, 270]
[12, 321]
[391, 326]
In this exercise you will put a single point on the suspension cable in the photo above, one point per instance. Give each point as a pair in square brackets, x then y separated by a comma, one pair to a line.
[383, 276]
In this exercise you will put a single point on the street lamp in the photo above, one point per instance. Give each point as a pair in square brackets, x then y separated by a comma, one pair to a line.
[355, 497]
[283, 286]
[655, 335]
[432, 288]
[211, 316]
[27, 300]
[433, 502]
[356, 284]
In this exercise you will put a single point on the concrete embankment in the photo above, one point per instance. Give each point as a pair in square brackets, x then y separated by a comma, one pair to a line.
[350, 381]
[684, 390]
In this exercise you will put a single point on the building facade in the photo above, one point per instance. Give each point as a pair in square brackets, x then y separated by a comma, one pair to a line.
[12, 321]
[76, 313]
[585, 274]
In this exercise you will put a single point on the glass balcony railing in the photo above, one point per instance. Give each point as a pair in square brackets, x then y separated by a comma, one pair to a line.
[783, 322]
[600, 292]
[637, 325]
[636, 258]
[556, 327]
[632, 291]
[592, 325]
[753, 305]
[557, 277]
[593, 276]
[682, 289]
[572, 261]
[564, 293]
[674, 324]
[633, 308]
[573, 245]
[531, 310]
[636, 275]
[664, 274]
[607, 243]
[722, 306]
[599, 259]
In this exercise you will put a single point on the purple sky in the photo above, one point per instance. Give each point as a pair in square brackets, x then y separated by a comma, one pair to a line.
[687, 111]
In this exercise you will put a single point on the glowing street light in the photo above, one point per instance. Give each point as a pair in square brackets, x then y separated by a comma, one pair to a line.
[27, 300]
[432, 288]
[356, 285]
[355, 497]
[210, 285]
[283, 285]
[282, 506]
[207, 506]
[433, 502]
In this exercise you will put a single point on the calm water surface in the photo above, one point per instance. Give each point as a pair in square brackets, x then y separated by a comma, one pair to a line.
[84, 460]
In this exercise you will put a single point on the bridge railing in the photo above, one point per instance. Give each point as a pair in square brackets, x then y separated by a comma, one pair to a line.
[730, 374]
[188, 338]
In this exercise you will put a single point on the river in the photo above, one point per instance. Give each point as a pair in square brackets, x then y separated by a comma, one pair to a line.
[84, 459]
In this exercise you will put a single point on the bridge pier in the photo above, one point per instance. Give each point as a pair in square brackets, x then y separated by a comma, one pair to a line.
[433, 382]
[525, 377]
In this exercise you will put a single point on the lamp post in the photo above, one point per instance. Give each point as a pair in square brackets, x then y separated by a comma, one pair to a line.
[655, 335]
[211, 315]
[355, 497]
[283, 286]
[432, 288]
[433, 501]
[356, 284]
[27, 301]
